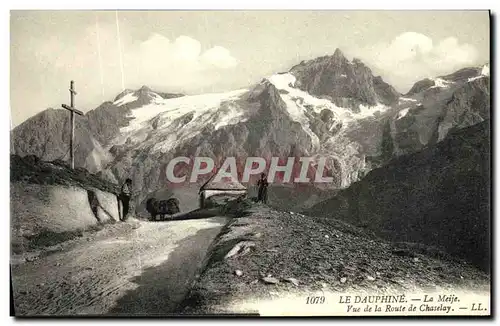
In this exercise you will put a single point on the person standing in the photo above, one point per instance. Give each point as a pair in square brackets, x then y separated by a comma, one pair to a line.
[125, 194]
[262, 184]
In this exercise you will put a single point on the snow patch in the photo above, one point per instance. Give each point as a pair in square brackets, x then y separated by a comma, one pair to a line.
[441, 83]
[402, 113]
[343, 75]
[474, 78]
[369, 111]
[407, 99]
[486, 70]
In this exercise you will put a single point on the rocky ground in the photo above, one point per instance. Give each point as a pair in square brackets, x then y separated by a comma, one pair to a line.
[265, 254]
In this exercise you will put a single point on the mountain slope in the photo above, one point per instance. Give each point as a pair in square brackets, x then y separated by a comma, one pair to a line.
[47, 135]
[438, 196]
[455, 101]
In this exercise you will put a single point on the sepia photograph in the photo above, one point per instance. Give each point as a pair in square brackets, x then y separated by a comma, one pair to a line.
[250, 163]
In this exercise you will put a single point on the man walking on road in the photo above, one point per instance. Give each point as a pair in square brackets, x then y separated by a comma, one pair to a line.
[125, 194]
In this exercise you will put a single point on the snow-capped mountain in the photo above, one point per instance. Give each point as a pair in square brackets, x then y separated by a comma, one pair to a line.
[166, 124]
[325, 106]
[434, 106]
[273, 118]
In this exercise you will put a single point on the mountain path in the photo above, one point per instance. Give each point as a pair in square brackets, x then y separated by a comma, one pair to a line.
[128, 268]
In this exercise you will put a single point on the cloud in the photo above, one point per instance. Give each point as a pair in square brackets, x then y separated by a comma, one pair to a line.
[180, 63]
[185, 51]
[412, 56]
[219, 57]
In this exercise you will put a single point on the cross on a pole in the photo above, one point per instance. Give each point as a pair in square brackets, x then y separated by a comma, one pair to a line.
[72, 109]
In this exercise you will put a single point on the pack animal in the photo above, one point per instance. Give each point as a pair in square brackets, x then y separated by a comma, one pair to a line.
[162, 208]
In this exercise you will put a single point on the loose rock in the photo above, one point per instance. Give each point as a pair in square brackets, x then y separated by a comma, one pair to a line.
[240, 249]
[270, 280]
[292, 280]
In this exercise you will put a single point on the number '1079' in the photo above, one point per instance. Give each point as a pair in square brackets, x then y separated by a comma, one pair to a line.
[315, 300]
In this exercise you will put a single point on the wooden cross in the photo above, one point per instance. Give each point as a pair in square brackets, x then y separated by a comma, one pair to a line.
[72, 109]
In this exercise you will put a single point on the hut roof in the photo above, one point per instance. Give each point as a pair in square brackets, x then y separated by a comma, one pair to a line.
[223, 184]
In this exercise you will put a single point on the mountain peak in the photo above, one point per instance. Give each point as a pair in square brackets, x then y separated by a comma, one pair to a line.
[348, 84]
[122, 94]
[338, 54]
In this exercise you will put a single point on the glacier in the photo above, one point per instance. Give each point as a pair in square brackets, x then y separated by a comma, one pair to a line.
[163, 116]
[297, 100]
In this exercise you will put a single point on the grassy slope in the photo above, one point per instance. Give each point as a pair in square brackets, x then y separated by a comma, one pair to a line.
[439, 196]
[32, 170]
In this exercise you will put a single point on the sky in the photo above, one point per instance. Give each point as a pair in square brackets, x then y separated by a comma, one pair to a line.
[196, 52]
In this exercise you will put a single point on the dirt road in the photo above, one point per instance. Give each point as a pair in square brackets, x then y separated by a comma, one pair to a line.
[131, 268]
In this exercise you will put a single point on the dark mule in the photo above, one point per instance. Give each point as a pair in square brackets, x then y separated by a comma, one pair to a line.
[162, 208]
